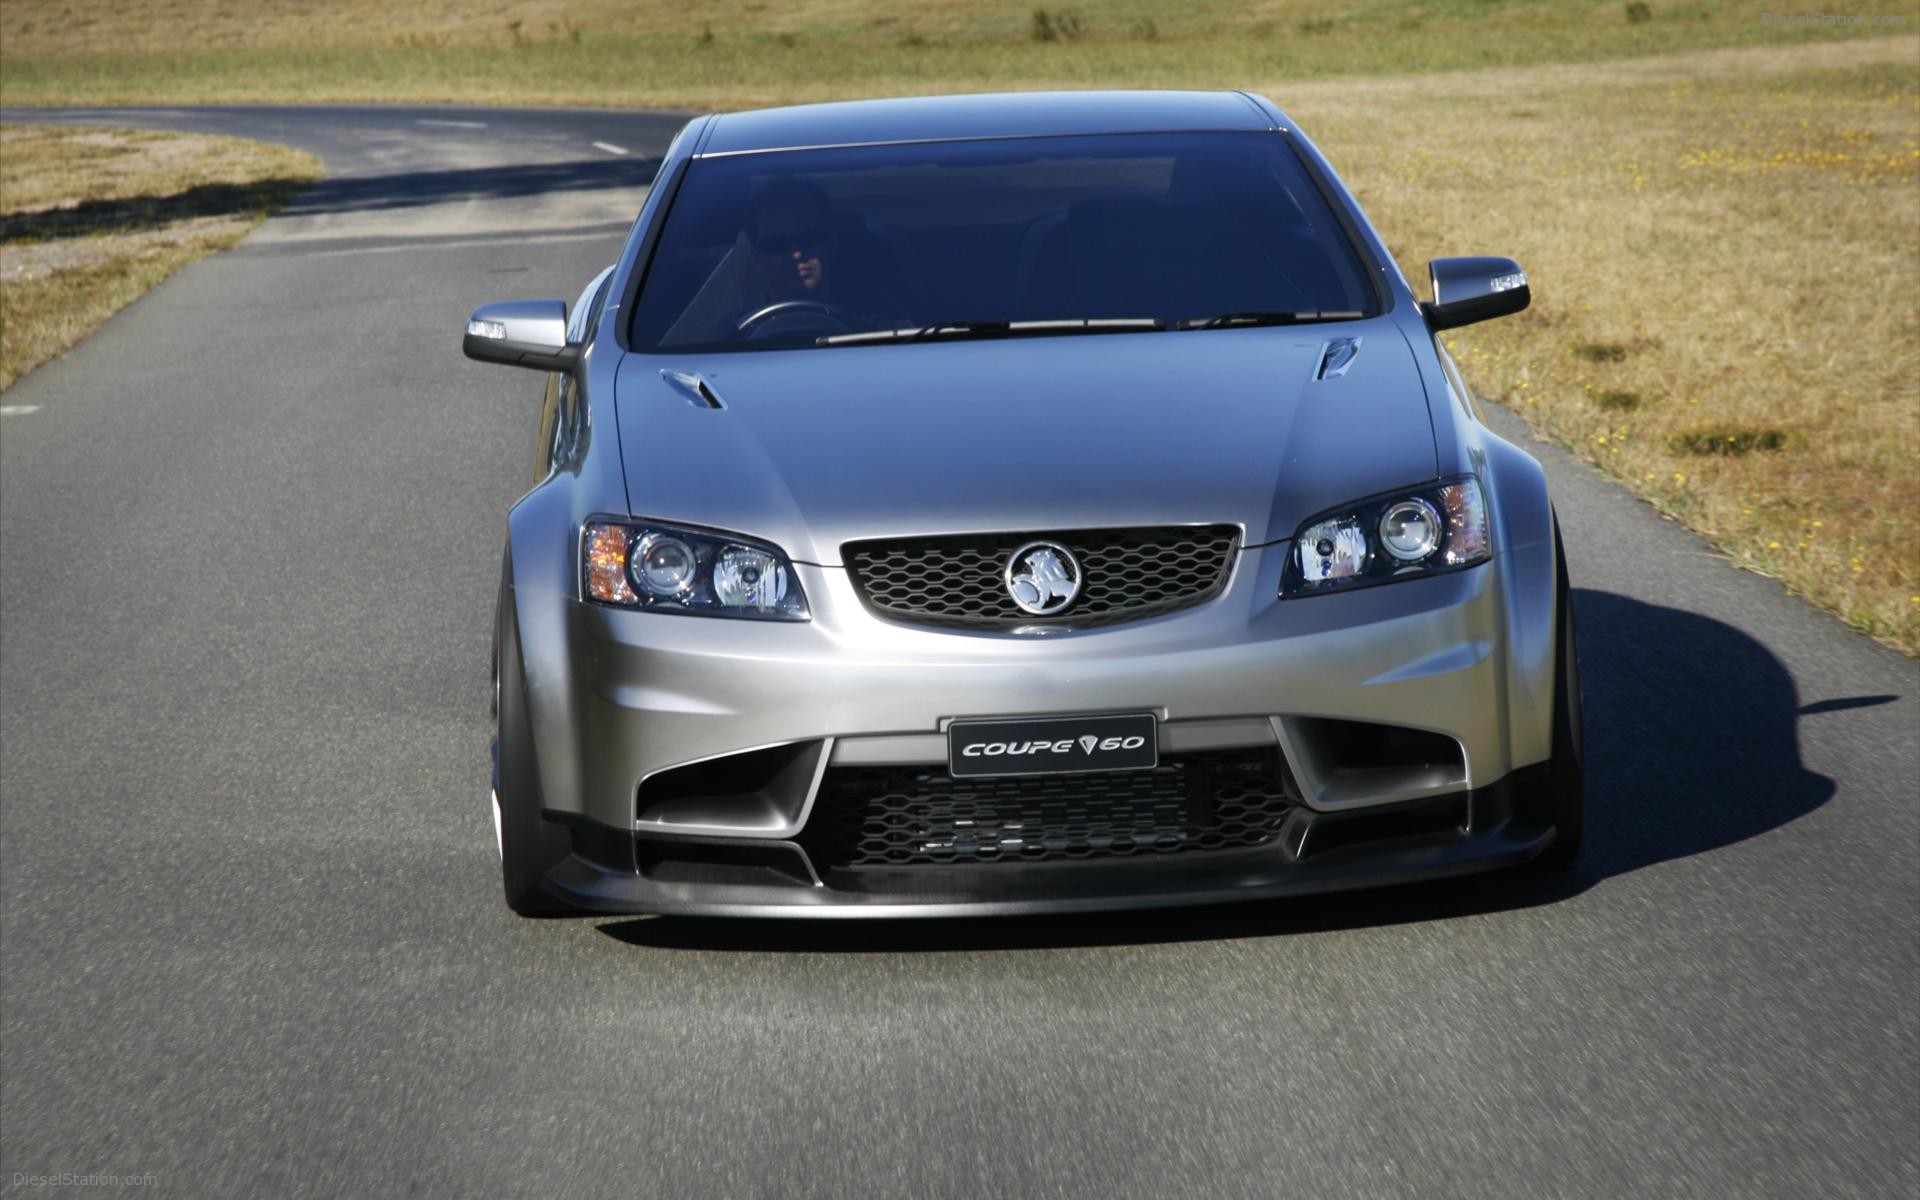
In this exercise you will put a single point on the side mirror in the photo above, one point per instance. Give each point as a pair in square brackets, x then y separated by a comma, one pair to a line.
[521, 333]
[1466, 290]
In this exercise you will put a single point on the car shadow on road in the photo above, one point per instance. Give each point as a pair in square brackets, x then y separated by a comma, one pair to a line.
[1691, 746]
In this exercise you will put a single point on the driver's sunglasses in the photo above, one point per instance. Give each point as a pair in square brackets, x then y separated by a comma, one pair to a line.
[787, 243]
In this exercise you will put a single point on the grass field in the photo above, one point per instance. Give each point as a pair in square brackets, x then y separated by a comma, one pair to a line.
[91, 218]
[739, 53]
[1721, 215]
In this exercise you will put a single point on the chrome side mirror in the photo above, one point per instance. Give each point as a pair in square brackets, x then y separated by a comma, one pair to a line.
[521, 333]
[1466, 290]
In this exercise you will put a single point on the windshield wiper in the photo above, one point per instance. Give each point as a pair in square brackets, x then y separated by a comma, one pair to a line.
[949, 330]
[1239, 319]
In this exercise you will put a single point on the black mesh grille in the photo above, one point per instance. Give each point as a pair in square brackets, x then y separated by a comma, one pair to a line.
[899, 816]
[1126, 574]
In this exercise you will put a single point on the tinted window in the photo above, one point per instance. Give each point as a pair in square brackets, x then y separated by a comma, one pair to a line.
[780, 249]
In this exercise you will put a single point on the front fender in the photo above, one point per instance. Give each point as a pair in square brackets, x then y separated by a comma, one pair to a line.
[1525, 540]
[543, 532]
[1527, 543]
[540, 546]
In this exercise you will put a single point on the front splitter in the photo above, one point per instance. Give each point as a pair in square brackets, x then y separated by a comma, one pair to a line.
[1021, 890]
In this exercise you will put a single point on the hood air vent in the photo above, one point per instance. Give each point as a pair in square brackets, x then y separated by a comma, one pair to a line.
[1336, 356]
[694, 387]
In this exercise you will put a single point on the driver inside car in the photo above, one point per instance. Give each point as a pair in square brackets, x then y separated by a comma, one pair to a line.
[792, 260]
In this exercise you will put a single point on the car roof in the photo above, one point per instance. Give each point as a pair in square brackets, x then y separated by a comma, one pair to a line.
[1010, 114]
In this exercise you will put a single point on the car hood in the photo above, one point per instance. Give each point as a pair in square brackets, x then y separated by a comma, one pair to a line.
[814, 448]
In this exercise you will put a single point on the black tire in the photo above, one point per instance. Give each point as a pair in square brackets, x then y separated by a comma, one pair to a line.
[1562, 795]
[529, 845]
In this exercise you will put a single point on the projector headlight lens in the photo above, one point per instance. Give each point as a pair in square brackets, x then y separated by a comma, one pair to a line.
[1419, 532]
[663, 564]
[1410, 530]
[662, 568]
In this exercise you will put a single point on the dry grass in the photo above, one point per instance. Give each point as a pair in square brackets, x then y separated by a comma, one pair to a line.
[1727, 284]
[740, 53]
[91, 218]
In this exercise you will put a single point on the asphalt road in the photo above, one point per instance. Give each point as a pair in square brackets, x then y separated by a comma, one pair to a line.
[251, 939]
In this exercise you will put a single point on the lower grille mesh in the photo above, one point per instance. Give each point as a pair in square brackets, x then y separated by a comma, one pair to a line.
[901, 816]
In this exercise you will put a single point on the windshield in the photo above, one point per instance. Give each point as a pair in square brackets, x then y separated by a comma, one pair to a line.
[1103, 234]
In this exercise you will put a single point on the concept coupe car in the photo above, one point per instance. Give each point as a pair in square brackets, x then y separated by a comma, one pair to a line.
[1023, 503]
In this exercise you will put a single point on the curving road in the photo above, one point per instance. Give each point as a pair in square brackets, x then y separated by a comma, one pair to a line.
[251, 940]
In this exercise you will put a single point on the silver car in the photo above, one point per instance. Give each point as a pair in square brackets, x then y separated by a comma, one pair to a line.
[1014, 504]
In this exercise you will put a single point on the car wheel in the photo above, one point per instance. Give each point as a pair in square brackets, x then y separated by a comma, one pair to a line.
[1562, 792]
[529, 845]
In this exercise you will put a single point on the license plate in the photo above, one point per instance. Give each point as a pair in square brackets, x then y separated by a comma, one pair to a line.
[1053, 745]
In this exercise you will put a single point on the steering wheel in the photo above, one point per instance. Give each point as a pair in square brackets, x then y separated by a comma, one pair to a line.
[756, 322]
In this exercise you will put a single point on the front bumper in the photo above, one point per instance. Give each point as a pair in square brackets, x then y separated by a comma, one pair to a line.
[619, 698]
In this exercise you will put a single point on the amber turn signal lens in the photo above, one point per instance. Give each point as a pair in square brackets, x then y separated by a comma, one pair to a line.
[606, 552]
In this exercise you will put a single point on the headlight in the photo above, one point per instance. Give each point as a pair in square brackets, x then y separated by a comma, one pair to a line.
[663, 564]
[1413, 533]
[662, 568]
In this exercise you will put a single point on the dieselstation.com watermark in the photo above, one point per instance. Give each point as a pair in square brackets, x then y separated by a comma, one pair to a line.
[83, 1179]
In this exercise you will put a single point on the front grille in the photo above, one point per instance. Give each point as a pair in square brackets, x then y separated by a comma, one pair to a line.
[1126, 574]
[902, 816]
